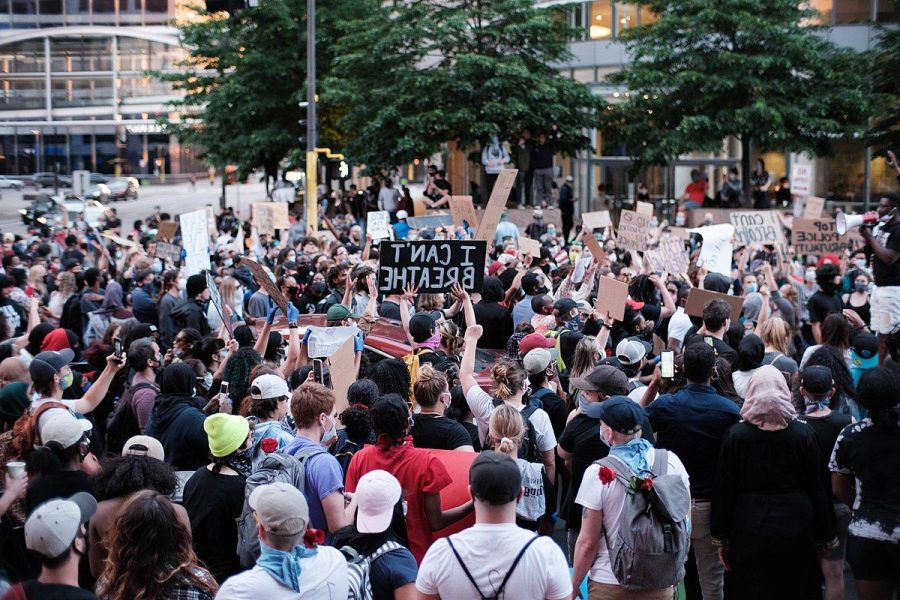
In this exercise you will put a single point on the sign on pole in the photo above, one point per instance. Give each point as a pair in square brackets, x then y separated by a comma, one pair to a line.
[431, 265]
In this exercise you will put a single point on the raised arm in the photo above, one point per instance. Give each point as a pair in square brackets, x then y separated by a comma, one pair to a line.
[467, 365]
[406, 301]
[468, 310]
[95, 395]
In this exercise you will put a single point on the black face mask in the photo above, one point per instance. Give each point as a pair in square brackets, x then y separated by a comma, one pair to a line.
[545, 269]
[293, 291]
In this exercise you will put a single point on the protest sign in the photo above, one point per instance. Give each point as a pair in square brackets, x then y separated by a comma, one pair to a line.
[698, 298]
[168, 251]
[264, 218]
[645, 208]
[120, 240]
[430, 221]
[757, 227]
[166, 230]
[325, 341]
[611, 296]
[496, 205]
[431, 265]
[261, 276]
[463, 211]
[342, 368]
[212, 227]
[216, 298]
[820, 236]
[593, 246]
[195, 241]
[801, 180]
[378, 224]
[595, 220]
[717, 250]
[530, 247]
[813, 207]
[669, 257]
[280, 215]
[632, 230]
[679, 232]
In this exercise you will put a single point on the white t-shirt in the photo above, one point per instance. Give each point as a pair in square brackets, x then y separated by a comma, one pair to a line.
[679, 325]
[482, 405]
[488, 552]
[637, 394]
[35, 404]
[532, 504]
[323, 577]
[610, 499]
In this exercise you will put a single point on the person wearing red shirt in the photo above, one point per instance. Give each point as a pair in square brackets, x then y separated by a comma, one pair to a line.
[421, 475]
[695, 192]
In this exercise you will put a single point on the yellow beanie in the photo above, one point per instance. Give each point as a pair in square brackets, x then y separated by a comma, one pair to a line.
[226, 433]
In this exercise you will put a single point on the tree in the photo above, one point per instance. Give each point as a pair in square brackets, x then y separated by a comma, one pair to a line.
[418, 74]
[753, 69]
[885, 131]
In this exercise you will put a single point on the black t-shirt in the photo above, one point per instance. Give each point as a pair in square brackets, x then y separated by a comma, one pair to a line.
[213, 503]
[555, 407]
[827, 429]
[889, 237]
[720, 346]
[35, 590]
[472, 430]
[821, 305]
[581, 438]
[438, 433]
[59, 484]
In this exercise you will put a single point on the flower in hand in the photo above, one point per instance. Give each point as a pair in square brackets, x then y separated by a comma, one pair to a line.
[606, 475]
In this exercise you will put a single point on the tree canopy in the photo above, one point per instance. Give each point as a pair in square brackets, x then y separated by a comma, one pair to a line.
[885, 131]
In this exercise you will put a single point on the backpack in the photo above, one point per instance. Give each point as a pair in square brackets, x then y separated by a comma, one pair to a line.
[71, 314]
[512, 567]
[413, 363]
[359, 567]
[25, 436]
[122, 422]
[98, 322]
[528, 449]
[651, 546]
[274, 467]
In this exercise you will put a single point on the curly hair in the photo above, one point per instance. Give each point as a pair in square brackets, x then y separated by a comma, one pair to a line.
[391, 375]
[390, 420]
[123, 475]
[507, 379]
[877, 392]
[152, 551]
[237, 371]
[641, 289]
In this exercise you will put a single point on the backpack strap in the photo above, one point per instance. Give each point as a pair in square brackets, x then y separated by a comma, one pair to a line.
[466, 569]
[514, 564]
[388, 546]
[509, 572]
[619, 466]
[660, 462]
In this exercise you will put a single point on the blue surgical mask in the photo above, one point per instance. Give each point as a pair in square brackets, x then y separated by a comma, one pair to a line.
[752, 287]
[861, 287]
[330, 434]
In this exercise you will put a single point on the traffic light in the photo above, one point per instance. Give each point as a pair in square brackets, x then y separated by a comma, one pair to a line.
[337, 169]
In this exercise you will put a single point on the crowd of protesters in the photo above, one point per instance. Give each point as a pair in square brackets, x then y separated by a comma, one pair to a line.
[159, 445]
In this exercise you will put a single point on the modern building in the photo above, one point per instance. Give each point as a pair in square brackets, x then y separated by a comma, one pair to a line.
[76, 87]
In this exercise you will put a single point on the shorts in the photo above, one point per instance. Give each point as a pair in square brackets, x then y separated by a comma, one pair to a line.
[842, 516]
[885, 304]
[608, 591]
[873, 560]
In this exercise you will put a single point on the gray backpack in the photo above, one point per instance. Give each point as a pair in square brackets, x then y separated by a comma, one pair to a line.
[273, 468]
[651, 546]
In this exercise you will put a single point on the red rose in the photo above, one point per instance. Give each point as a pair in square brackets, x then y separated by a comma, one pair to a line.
[268, 445]
[647, 484]
[313, 538]
[607, 475]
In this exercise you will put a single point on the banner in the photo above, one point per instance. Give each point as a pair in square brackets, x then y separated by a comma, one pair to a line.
[818, 237]
[432, 266]
[669, 257]
[632, 230]
[195, 241]
[758, 227]
[463, 212]
[717, 250]
[496, 205]
[378, 225]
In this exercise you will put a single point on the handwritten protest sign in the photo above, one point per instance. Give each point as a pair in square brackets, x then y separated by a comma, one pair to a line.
[431, 266]
[530, 247]
[168, 251]
[717, 250]
[166, 230]
[378, 224]
[264, 217]
[430, 221]
[463, 212]
[819, 236]
[195, 240]
[325, 341]
[645, 208]
[758, 227]
[496, 204]
[342, 368]
[801, 180]
[668, 257]
[679, 232]
[698, 298]
[813, 207]
[593, 246]
[611, 296]
[216, 298]
[261, 276]
[595, 220]
[632, 231]
[280, 215]
[211, 226]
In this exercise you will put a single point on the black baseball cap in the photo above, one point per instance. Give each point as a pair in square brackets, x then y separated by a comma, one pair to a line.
[421, 327]
[817, 379]
[495, 478]
[865, 345]
[564, 305]
[620, 413]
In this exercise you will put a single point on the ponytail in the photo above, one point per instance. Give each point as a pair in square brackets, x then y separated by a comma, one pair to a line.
[506, 429]
[508, 379]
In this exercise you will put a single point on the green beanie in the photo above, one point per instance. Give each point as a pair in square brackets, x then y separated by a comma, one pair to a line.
[226, 433]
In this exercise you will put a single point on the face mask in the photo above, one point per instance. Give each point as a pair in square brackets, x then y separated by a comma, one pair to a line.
[679, 220]
[329, 434]
[861, 287]
[810, 276]
[156, 267]
[886, 218]
[752, 287]
[861, 262]
[65, 382]
[573, 255]
[208, 380]
[551, 231]
[228, 262]
[545, 269]
[606, 435]
[434, 342]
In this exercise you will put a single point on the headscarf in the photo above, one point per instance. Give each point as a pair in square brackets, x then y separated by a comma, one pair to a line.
[56, 340]
[14, 369]
[36, 337]
[750, 352]
[14, 400]
[114, 295]
[767, 403]
[177, 380]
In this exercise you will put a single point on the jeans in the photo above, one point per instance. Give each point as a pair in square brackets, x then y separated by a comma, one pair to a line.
[709, 569]
[543, 186]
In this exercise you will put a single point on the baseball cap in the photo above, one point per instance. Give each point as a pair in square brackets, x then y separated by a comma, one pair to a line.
[817, 379]
[605, 379]
[535, 340]
[376, 493]
[61, 426]
[494, 478]
[570, 178]
[145, 330]
[536, 360]
[144, 445]
[339, 312]
[269, 386]
[865, 345]
[630, 351]
[49, 363]
[70, 263]
[495, 266]
[402, 214]
[280, 507]
[564, 305]
[421, 326]
[620, 413]
[53, 526]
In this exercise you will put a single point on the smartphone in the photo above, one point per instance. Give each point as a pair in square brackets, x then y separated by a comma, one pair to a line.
[117, 343]
[317, 371]
[223, 388]
[667, 364]
[709, 341]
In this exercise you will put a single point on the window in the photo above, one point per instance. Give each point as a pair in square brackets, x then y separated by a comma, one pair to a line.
[824, 8]
[69, 55]
[22, 93]
[852, 11]
[82, 92]
[600, 26]
[22, 57]
[626, 17]
[647, 16]
[887, 12]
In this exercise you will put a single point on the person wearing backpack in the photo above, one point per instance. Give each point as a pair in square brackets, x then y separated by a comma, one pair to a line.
[291, 566]
[494, 558]
[132, 412]
[615, 493]
[381, 567]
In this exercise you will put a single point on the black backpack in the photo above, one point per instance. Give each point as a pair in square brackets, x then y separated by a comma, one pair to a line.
[122, 422]
[71, 315]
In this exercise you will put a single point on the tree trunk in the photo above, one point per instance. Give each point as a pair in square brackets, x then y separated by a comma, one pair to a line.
[746, 150]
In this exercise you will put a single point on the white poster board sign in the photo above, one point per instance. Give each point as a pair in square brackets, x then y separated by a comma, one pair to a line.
[717, 250]
[378, 225]
[801, 180]
[325, 341]
[195, 241]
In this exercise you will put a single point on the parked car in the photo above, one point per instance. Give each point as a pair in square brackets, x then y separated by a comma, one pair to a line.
[123, 188]
[45, 212]
[99, 178]
[47, 179]
[10, 184]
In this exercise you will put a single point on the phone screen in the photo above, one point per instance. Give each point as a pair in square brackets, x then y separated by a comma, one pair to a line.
[317, 370]
[667, 364]
[223, 388]
[118, 346]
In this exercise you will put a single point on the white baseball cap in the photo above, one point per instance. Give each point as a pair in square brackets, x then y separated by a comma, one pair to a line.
[269, 386]
[376, 494]
[144, 445]
[402, 214]
[60, 426]
[280, 507]
[52, 527]
[536, 360]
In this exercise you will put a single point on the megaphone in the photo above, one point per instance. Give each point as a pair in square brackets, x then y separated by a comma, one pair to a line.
[844, 223]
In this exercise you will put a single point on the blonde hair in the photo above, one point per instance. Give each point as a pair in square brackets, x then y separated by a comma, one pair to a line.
[506, 429]
[776, 334]
[431, 301]
[583, 361]
[450, 339]
[227, 287]
[507, 379]
[429, 386]
[36, 276]
[67, 284]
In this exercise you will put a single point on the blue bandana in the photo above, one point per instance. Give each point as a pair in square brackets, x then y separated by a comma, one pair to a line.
[633, 454]
[283, 566]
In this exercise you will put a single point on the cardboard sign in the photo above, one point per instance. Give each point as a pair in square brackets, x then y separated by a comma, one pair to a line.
[679, 232]
[611, 297]
[530, 247]
[342, 368]
[378, 224]
[216, 298]
[431, 265]
[325, 341]
[262, 280]
[593, 247]
[645, 208]
[757, 227]
[632, 230]
[813, 207]
[463, 212]
[717, 250]
[669, 257]
[430, 221]
[698, 298]
[120, 240]
[801, 180]
[195, 241]
[168, 251]
[264, 218]
[595, 220]
[280, 211]
[496, 205]
[166, 230]
[819, 236]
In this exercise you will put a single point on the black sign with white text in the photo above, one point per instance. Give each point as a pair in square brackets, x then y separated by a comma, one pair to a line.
[431, 266]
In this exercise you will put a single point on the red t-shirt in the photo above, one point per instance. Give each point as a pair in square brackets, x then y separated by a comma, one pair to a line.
[696, 191]
[418, 471]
